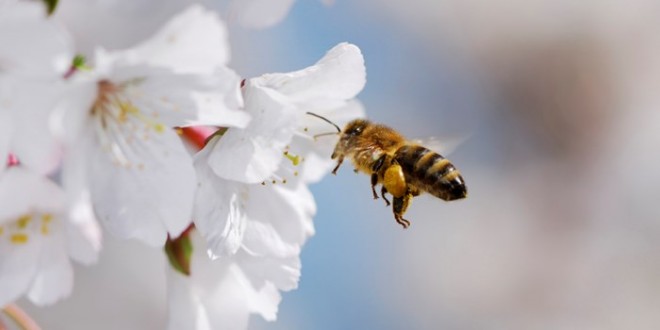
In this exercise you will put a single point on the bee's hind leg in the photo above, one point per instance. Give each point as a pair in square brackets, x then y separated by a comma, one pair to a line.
[383, 191]
[399, 208]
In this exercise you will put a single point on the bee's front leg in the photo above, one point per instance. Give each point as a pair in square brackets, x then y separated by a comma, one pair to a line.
[339, 161]
[374, 182]
[399, 208]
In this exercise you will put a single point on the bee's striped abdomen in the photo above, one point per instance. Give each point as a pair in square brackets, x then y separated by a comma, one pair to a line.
[431, 172]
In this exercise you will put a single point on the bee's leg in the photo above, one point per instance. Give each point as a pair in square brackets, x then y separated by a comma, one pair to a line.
[399, 208]
[383, 191]
[374, 182]
[378, 164]
[339, 161]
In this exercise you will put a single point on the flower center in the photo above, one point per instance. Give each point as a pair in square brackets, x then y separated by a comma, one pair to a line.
[120, 122]
[18, 232]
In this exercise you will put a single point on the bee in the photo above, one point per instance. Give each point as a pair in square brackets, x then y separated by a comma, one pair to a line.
[403, 168]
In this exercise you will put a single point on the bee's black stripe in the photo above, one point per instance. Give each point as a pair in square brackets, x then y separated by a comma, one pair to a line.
[407, 155]
[437, 175]
[425, 160]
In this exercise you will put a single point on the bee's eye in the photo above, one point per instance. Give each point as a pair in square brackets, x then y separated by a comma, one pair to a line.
[355, 130]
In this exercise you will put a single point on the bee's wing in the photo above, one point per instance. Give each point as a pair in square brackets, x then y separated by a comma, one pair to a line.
[442, 145]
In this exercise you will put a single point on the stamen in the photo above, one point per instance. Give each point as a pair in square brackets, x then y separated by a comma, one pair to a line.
[23, 221]
[295, 160]
[19, 238]
[47, 217]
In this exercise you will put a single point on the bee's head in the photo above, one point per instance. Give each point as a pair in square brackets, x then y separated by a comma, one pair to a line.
[349, 136]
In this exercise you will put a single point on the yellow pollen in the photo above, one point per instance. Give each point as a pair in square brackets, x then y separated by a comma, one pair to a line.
[44, 229]
[19, 238]
[159, 128]
[2, 230]
[23, 221]
[294, 159]
[295, 173]
[46, 218]
[126, 109]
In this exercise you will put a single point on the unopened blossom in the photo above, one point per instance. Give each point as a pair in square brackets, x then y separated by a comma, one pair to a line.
[118, 124]
[253, 206]
[41, 231]
[35, 54]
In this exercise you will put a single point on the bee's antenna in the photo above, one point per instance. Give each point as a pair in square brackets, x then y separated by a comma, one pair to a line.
[327, 121]
[324, 134]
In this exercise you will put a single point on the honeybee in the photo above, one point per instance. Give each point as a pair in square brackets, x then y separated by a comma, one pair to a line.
[403, 168]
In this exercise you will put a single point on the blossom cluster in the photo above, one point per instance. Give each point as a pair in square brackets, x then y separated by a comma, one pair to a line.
[164, 143]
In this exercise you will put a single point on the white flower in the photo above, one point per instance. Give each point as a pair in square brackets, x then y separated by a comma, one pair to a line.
[39, 234]
[251, 205]
[254, 155]
[36, 53]
[117, 125]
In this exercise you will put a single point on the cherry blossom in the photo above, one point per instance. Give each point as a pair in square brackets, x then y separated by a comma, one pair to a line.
[118, 123]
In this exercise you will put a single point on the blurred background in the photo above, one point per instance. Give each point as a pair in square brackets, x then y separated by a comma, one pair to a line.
[559, 101]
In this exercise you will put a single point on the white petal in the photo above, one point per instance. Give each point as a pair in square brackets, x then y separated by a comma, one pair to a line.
[143, 188]
[252, 154]
[340, 75]
[18, 265]
[194, 41]
[42, 49]
[70, 118]
[114, 24]
[219, 214]
[22, 191]
[261, 13]
[288, 210]
[5, 135]
[32, 141]
[262, 239]
[83, 235]
[185, 309]
[232, 298]
[283, 273]
[54, 278]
